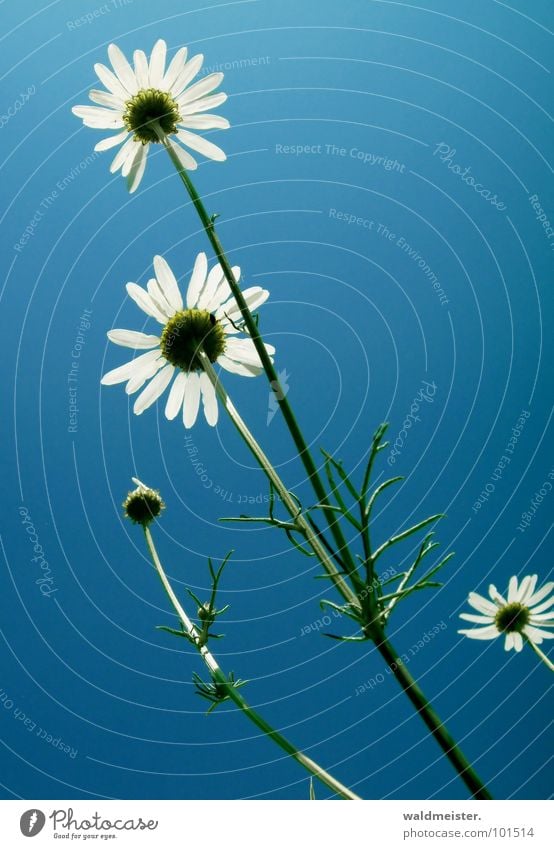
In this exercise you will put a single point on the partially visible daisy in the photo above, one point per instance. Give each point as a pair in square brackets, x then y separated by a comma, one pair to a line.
[523, 615]
[210, 320]
[147, 92]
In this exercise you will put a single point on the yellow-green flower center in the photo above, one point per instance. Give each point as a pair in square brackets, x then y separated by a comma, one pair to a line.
[186, 333]
[512, 617]
[151, 105]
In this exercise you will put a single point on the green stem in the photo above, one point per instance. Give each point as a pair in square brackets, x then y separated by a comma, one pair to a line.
[252, 327]
[220, 678]
[423, 707]
[539, 653]
[407, 682]
[289, 503]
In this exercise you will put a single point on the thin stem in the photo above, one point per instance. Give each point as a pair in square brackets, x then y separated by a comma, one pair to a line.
[220, 678]
[438, 730]
[288, 501]
[539, 652]
[252, 327]
[411, 688]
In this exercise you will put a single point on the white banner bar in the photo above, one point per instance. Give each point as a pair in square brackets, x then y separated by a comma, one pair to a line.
[270, 825]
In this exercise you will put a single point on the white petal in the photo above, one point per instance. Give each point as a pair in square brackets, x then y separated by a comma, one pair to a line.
[176, 396]
[192, 399]
[540, 608]
[223, 291]
[111, 141]
[240, 368]
[509, 642]
[132, 158]
[98, 117]
[197, 279]
[542, 618]
[109, 79]
[540, 594]
[140, 484]
[209, 399]
[202, 145]
[143, 300]
[255, 296]
[204, 104]
[141, 68]
[139, 377]
[201, 88]
[175, 67]
[512, 589]
[488, 633]
[133, 339]
[156, 69]
[244, 351]
[236, 350]
[106, 98]
[138, 166]
[168, 283]
[122, 69]
[125, 151]
[538, 634]
[187, 161]
[527, 588]
[155, 388]
[483, 605]
[518, 641]
[475, 617]
[127, 370]
[188, 72]
[159, 298]
[213, 280]
[205, 122]
[495, 595]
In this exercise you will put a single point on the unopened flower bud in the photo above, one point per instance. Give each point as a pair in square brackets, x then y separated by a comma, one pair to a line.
[143, 504]
[205, 614]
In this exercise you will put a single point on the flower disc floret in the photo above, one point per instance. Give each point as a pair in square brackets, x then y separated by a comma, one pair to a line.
[147, 107]
[512, 617]
[186, 333]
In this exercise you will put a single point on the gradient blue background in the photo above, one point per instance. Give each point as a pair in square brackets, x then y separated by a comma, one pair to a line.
[357, 326]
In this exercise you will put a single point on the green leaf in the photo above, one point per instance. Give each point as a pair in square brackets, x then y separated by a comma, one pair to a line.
[406, 534]
[376, 446]
[174, 631]
[343, 476]
[377, 491]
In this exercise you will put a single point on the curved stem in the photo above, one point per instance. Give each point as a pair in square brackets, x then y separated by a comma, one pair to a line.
[219, 676]
[252, 327]
[539, 653]
[288, 501]
[423, 707]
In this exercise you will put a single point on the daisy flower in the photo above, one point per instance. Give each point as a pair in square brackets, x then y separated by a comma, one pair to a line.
[137, 96]
[210, 320]
[524, 614]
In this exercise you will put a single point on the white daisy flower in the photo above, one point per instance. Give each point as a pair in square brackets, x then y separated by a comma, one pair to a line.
[210, 320]
[147, 92]
[524, 614]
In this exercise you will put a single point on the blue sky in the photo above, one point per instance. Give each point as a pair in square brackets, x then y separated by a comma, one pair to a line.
[355, 131]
